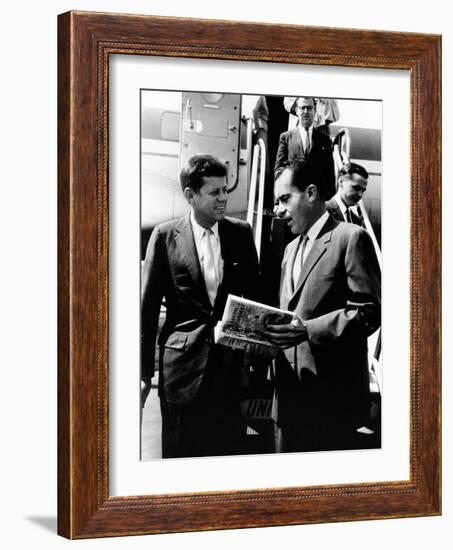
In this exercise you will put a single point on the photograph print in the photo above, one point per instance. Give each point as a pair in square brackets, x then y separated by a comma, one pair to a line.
[260, 274]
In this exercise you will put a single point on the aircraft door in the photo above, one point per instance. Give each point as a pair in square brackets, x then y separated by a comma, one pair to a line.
[211, 123]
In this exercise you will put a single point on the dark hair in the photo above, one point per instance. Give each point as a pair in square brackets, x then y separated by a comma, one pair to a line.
[351, 168]
[304, 173]
[305, 97]
[198, 167]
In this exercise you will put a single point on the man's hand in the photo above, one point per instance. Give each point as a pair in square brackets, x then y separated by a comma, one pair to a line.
[289, 335]
[145, 389]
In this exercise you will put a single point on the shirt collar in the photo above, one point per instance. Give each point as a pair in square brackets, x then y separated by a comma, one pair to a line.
[309, 129]
[199, 230]
[340, 203]
[315, 229]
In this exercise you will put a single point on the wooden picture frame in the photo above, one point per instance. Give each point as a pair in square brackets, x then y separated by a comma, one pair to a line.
[85, 41]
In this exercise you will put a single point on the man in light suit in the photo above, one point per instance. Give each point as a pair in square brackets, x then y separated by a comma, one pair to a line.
[194, 263]
[330, 278]
[307, 142]
[352, 184]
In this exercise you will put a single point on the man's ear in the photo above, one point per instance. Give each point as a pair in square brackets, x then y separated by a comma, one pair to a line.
[188, 194]
[312, 192]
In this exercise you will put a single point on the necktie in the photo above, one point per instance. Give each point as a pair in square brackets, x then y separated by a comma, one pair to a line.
[299, 260]
[348, 215]
[209, 269]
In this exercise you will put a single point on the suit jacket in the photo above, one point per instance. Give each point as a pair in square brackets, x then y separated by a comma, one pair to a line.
[172, 271]
[291, 148]
[338, 296]
[333, 209]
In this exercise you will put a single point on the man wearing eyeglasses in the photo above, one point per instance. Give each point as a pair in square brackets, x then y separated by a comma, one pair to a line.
[307, 142]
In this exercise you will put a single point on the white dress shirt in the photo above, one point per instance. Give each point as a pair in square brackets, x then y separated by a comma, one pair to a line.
[343, 207]
[198, 233]
[303, 133]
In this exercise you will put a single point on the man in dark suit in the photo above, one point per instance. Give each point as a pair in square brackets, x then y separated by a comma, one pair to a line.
[330, 278]
[194, 263]
[306, 142]
[352, 184]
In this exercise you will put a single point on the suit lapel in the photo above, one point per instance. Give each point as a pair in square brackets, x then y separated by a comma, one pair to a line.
[319, 247]
[314, 139]
[290, 262]
[338, 213]
[226, 250]
[225, 244]
[186, 246]
[356, 219]
[300, 145]
[317, 250]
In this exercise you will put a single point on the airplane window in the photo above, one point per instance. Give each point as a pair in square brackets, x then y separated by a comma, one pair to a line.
[212, 98]
[170, 126]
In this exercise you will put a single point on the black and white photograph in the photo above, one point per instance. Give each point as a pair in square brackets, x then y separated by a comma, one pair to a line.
[282, 387]
[260, 266]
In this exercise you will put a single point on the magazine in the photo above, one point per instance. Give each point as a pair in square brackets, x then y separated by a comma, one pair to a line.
[244, 322]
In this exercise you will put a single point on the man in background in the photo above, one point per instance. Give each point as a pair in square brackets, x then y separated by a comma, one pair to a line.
[307, 142]
[194, 263]
[352, 184]
[327, 111]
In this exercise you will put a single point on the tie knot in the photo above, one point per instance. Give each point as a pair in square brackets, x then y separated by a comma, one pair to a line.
[208, 233]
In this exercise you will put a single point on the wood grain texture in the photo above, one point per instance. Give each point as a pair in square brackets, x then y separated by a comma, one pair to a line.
[85, 42]
[64, 420]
